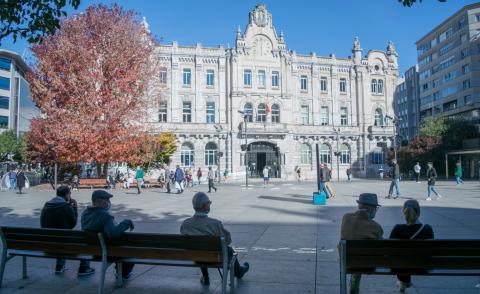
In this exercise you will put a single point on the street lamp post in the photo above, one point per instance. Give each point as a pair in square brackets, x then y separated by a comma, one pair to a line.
[245, 119]
[394, 125]
[337, 132]
[218, 156]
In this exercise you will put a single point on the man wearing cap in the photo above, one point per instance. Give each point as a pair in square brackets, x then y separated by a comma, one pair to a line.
[200, 225]
[360, 225]
[61, 213]
[96, 218]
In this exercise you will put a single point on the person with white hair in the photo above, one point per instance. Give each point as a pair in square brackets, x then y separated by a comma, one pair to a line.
[203, 225]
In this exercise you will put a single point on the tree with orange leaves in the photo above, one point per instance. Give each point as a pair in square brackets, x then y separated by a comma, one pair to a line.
[89, 80]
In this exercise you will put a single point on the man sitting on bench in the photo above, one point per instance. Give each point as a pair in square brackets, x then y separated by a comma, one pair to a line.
[360, 225]
[61, 213]
[200, 224]
[96, 218]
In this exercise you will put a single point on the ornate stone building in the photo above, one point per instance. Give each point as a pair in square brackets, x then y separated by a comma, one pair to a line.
[291, 102]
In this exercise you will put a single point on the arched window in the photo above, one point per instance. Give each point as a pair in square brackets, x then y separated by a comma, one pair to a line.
[344, 154]
[211, 154]
[186, 154]
[377, 156]
[378, 118]
[380, 87]
[325, 154]
[275, 113]
[262, 112]
[305, 154]
[248, 111]
[374, 86]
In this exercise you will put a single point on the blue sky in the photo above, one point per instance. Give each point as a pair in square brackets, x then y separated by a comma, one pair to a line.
[323, 26]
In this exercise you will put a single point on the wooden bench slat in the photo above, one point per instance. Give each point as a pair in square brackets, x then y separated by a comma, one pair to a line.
[39, 254]
[417, 262]
[52, 248]
[183, 263]
[164, 254]
[46, 232]
[205, 243]
[407, 251]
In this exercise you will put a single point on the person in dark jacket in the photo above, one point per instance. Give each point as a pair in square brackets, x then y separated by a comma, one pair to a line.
[323, 178]
[61, 213]
[328, 185]
[432, 177]
[21, 180]
[395, 177]
[414, 229]
[96, 218]
[179, 178]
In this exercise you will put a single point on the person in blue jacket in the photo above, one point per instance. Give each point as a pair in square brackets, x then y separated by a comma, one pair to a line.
[97, 218]
[179, 178]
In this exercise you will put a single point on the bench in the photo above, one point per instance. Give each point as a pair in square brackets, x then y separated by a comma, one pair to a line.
[50, 243]
[415, 257]
[93, 183]
[149, 249]
[173, 250]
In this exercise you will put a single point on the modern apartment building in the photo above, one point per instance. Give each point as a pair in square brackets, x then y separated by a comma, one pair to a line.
[16, 107]
[407, 104]
[449, 69]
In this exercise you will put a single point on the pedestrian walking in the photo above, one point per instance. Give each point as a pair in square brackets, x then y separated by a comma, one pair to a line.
[299, 174]
[432, 177]
[458, 173]
[225, 175]
[75, 182]
[21, 179]
[179, 179]
[168, 179]
[199, 175]
[380, 172]
[349, 173]
[12, 176]
[323, 178]
[394, 174]
[211, 178]
[139, 178]
[266, 177]
[417, 169]
[328, 186]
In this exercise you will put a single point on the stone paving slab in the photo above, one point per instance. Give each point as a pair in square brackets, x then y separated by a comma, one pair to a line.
[289, 243]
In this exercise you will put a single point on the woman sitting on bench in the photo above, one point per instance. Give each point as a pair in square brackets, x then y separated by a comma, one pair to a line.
[414, 229]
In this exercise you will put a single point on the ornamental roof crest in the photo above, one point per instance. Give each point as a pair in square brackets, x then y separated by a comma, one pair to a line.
[260, 16]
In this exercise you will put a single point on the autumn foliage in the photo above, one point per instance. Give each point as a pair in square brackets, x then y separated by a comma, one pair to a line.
[88, 81]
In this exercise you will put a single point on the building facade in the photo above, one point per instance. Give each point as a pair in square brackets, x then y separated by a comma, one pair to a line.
[290, 102]
[448, 67]
[407, 105]
[16, 106]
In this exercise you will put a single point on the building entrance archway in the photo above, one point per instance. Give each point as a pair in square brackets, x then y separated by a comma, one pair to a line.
[261, 154]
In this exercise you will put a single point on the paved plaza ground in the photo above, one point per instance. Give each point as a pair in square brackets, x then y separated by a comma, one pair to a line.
[289, 243]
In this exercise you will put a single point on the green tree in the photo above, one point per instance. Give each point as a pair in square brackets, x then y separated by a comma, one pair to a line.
[433, 127]
[32, 19]
[166, 146]
[9, 144]
[437, 136]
